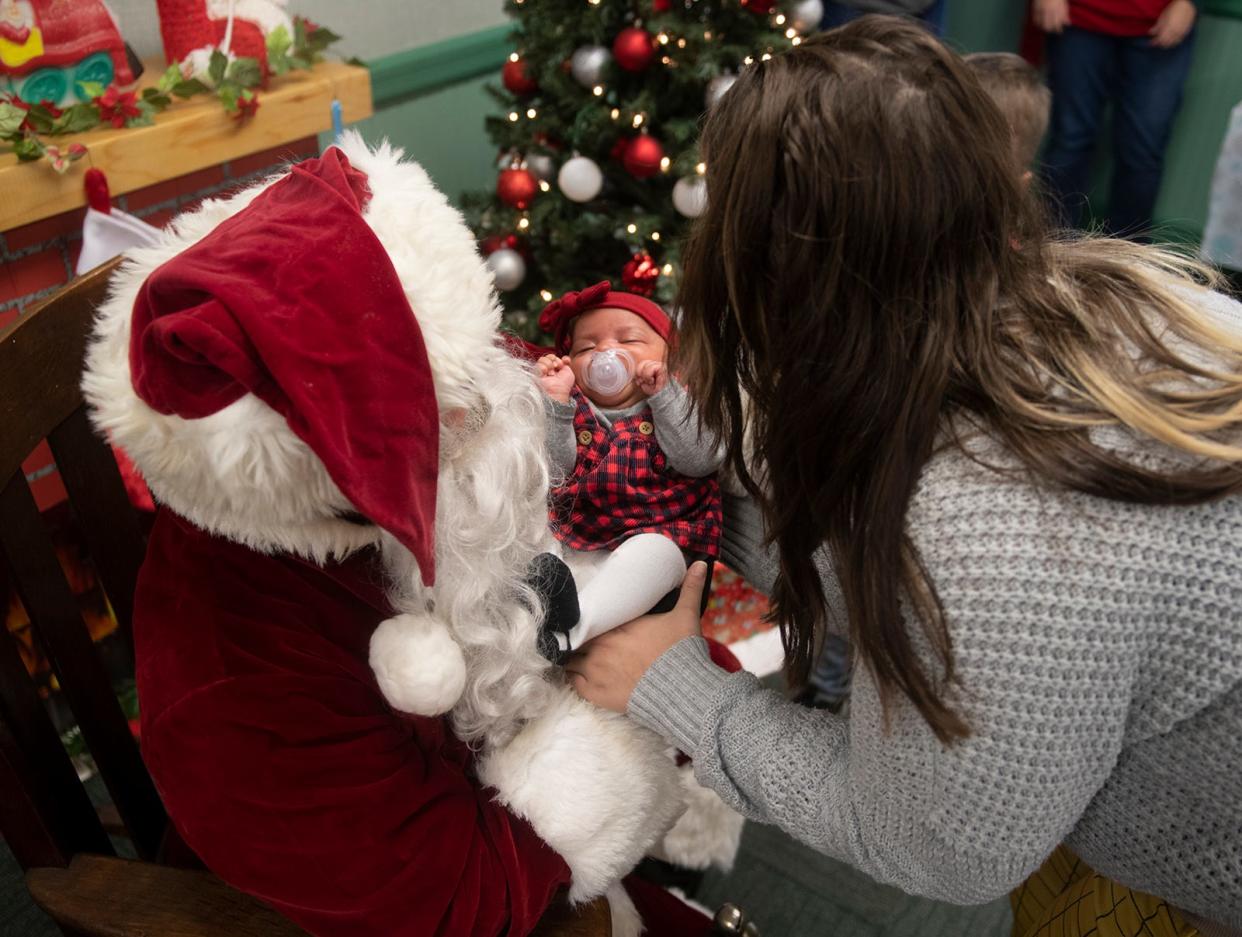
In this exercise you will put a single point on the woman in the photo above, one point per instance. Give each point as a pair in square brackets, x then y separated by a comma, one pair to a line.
[1003, 464]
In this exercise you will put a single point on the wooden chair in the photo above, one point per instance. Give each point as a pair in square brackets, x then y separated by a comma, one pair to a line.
[46, 818]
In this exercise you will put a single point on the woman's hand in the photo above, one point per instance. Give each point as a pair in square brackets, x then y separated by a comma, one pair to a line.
[1174, 24]
[1052, 16]
[606, 669]
[555, 377]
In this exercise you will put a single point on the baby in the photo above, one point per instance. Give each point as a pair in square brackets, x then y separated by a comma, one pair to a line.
[637, 494]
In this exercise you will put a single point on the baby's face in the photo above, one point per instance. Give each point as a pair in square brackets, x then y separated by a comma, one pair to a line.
[609, 327]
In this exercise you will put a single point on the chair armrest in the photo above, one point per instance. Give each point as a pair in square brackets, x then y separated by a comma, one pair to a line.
[100, 896]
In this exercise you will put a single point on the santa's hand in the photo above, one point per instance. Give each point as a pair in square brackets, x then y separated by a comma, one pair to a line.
[608, 668]
[625, 792]
[651, 377]
[555, 377]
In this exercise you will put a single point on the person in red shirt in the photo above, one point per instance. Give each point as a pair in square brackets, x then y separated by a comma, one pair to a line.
[1133, 55]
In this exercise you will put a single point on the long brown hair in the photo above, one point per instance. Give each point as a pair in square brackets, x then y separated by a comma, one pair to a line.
[872, 275]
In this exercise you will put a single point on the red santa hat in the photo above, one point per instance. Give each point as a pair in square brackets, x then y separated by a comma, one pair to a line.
[558, 315]
[294, 300]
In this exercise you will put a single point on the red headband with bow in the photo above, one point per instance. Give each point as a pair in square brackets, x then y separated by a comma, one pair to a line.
[558, 315]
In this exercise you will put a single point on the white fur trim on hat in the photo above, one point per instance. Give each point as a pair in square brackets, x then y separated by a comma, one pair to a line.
[241, 473]
[596, 787]
[419, 667]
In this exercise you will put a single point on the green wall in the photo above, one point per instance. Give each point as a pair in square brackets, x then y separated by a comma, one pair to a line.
[443, 130]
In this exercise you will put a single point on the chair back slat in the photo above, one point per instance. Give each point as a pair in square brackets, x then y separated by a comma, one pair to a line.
[60, 630]
[45, 814]
[108, 521]
[41, 365]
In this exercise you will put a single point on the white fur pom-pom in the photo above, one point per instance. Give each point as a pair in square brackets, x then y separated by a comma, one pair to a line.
[419, 667]
[597, 788]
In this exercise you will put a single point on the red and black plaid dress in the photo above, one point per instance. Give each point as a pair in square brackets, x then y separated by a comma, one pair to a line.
[622, 485]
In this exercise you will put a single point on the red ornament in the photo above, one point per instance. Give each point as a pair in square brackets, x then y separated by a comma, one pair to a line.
[494, 242]
[640, 274]
[516, 77]
[642, 157]
[762, 7]
[517, 188]
[661, 6]
[634, 48]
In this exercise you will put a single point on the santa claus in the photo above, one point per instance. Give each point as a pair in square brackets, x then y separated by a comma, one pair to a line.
[308, 375]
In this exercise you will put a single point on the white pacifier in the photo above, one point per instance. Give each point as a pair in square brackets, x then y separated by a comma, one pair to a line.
[610, 371]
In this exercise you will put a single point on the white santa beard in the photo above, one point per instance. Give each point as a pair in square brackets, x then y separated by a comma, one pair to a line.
[491, 521]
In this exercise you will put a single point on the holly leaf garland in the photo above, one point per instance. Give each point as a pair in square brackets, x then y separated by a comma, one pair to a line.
[231, 81]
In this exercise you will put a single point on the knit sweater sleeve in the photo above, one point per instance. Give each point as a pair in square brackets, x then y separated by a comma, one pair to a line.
[1046, 694]
[561, 445]
[689, 451]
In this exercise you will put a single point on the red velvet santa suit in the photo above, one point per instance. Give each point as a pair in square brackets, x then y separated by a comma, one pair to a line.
[281, 762]
[288, 773]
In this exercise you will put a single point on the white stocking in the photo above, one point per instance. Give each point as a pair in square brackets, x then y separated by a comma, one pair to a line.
[628, 584]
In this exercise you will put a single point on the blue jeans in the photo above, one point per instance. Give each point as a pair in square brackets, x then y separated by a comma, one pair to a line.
[1088, 71]
[838, 14]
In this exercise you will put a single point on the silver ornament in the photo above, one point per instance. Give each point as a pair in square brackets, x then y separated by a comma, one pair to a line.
[806, 15]
[508, 268]
[542, 166]
[587, 65]
[580, 179]
[718, 86]
[690, 196]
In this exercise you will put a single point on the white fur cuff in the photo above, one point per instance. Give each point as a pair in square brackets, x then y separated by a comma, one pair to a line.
[597, 788]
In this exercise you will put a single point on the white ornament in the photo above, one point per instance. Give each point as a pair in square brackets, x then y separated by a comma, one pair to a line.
[806, 15]
[717, 87]
[587, 65]
[508, 268]
[690, 196]
[541, 166]
[580, 179]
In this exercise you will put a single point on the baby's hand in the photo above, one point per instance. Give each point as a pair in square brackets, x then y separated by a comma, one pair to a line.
[651, 377]
[555, 377]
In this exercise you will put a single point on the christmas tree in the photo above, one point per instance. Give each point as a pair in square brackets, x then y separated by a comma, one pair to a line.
[599, 172]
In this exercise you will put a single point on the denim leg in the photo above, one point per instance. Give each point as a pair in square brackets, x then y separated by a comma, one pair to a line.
[1149, 93]
[934, 16]
[837, 14]
[1082, 71]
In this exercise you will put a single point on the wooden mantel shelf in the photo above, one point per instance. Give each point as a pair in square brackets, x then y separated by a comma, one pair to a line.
[188, 136]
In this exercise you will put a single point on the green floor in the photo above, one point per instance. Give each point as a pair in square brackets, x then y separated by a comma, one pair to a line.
[790, 891]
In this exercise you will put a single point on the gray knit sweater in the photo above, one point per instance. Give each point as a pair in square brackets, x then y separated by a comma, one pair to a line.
[1099, 646]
